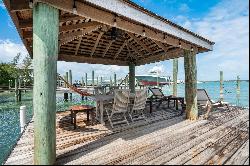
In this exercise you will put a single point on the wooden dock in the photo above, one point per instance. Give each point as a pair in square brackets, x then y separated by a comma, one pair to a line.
[165, 138]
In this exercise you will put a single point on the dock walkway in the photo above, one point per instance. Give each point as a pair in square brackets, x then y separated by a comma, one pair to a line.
[165, 138]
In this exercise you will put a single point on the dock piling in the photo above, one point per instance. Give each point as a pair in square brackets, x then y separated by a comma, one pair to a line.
[22, 117]
[238, 91]
[221, 86]
[175, 76]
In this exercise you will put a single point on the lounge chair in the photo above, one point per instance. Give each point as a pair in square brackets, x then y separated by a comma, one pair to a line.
[158, 96]
[99, 91]
[120, 106]
[203, 100]
[138, 108]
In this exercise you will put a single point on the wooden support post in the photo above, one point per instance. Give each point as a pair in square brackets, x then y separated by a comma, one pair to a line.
[93, 78]
[82, 82]
[221, 86]
[16, 89]
[71, 82]
[86, 80]
[175, 76]
[9, 85]
[132, 77]
[19, 83]
[238, 91]
[45, 50]
[191, 85]
[115, 82]
[67, 78]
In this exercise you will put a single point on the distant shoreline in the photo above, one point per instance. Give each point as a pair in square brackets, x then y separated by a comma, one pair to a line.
[227, 81]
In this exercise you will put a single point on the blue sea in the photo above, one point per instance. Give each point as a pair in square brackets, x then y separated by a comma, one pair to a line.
[9, 109]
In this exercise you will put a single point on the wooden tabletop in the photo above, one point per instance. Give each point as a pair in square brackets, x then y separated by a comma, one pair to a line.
[81, 107]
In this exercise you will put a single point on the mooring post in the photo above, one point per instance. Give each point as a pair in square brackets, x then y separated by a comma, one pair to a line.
[132, 77]
[93, 79]
[86, 80]
[19, 82]
[67, 78]
[82, 82]
[9, 85]
[45, 53]
[22, 117]
[71, 82]
[221, 87]
[238, 90]
[16, 89]
[191, 84]
[175, 76]
[115, 83]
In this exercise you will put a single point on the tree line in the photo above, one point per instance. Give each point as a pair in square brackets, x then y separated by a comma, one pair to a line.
[9, 71]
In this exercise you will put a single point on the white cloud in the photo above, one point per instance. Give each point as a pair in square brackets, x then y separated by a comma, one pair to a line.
[227, 24]
[9, 49]
[184, 7]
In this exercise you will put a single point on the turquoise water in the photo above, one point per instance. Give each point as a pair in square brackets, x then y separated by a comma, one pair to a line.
[10, 121]
[9, 110]
[213, 90]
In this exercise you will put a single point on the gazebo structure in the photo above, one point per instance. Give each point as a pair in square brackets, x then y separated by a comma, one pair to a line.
[110, 32]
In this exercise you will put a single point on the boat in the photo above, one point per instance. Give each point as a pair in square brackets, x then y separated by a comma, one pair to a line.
[153, 79]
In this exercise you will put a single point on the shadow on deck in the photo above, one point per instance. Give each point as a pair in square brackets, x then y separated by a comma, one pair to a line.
[165, 138]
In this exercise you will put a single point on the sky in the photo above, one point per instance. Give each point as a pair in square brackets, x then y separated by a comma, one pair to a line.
[226, 22]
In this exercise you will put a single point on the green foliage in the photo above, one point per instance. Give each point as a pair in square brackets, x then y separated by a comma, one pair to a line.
[10, 71]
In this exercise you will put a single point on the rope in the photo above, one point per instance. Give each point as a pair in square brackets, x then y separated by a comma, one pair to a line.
[74, 88]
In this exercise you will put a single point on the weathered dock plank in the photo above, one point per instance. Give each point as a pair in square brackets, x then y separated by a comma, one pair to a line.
[165, 138]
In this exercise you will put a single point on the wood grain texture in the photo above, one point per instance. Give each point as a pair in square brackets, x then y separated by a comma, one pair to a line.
[165, 138]
[175, 76]
[191, 85]
[45, 48]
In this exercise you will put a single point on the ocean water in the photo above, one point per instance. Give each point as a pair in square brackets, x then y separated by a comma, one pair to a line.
[9, 109]
[213, 90]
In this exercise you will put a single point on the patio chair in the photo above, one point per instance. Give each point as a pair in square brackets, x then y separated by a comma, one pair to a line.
[203, 100]
[120, 106]
[138, 108]
[158, 96]
[99, 91]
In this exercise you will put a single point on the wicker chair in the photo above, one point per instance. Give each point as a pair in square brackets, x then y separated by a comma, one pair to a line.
[138, 108]
[120, 107]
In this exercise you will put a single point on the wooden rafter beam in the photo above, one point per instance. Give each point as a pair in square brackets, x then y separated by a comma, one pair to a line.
[24, 24]
[78, 45]
[78, 26]
[19, 5]
[120, 49]
[139, 42]
[130, 54]
[87, 25]
[159, 44]
[175, 53]
[105, 17]
[91, 60]
[66, 38]
[96, 43]
[135, 49]
[107, 48]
